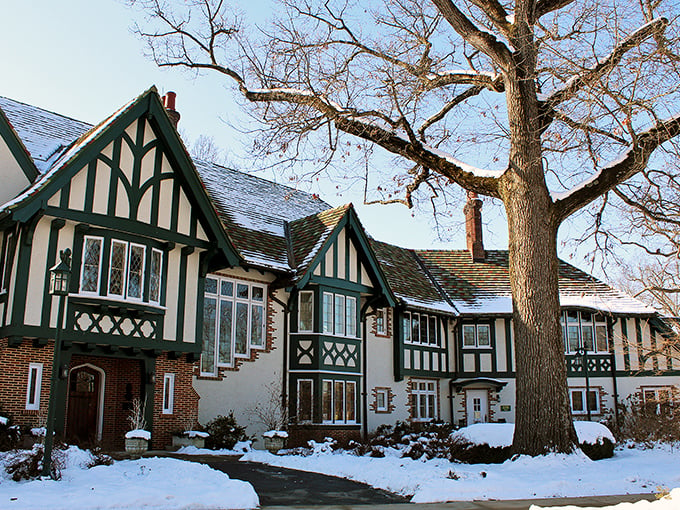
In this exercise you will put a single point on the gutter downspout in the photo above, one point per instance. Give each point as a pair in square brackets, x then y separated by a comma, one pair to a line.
[284, 370]
[364, 365]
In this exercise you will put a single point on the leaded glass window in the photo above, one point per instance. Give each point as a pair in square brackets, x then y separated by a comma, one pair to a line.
[92, 255]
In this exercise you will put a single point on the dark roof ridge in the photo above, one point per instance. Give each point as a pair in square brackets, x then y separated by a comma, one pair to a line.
[434, 281]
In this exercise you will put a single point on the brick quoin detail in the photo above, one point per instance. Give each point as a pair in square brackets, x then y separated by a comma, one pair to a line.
[388, 324]
[373, 406]
[409, 393]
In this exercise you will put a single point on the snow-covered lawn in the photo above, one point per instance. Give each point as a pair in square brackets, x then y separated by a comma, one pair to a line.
[144, 483]
[630, 471]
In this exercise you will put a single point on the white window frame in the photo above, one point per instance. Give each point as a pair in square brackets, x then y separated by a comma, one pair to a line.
[333, 396]
[584, 401]
[142, 273]
[476, 327]
[311, 318]
[234, 300]
[160, 275]
[99, 267]
[593, 324]
[168, 393]
[311, 403]
[423, 393]
[423, 331]
[33, 398]
[331, 321]
[385, 392]
[381, 321]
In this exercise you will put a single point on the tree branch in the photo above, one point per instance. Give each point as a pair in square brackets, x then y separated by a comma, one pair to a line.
[632, 162]
[591, 75]
[481, 40]
[543, 7]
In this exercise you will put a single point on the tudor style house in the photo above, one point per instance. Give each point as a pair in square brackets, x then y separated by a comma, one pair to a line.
[200, 290]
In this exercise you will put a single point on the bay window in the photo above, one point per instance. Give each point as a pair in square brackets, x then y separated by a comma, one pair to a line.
[128, 269]
[339, 315]
[233, 321]
[306, 311]
[338, 401]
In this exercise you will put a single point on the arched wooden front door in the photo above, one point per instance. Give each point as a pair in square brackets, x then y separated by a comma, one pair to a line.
[83, 405]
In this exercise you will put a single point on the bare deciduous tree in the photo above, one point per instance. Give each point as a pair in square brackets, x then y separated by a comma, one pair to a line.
[553, 103]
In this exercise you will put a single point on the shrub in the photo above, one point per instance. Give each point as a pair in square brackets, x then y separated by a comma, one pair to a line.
[645, 425]
[470, 453]
[602, 449]
[224, 432]
[9, 433]
[28, 464]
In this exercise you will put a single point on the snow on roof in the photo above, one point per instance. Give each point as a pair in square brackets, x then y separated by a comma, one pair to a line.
[44, 134]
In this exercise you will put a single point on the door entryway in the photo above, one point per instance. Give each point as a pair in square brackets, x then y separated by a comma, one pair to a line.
[477, 406]
[85, 391]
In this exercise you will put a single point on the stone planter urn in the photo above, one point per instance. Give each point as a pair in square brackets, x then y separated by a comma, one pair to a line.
[275, 440]
[137, 442]
[189, 438]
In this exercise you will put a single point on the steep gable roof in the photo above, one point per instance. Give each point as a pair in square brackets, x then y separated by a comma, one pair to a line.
[66, 157]
[483, 287]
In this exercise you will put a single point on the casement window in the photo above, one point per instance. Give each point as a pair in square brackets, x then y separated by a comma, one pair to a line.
[658, 400]
[423, 400]
[155, 271]
[577, 396]
[381, 400]
[339, 315]
[127, 269]
[476, 336]
[381, 321]
[168, 393]
[420, 328]
[233, 321]
[7, 261]
[306, 311]
[305, 397]
[338, 401]
[584, 330]
[35, 371]
[92, 261]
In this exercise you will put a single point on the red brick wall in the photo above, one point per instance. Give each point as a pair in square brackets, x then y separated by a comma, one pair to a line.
[185, 409]
[14, 363]
[122, 383]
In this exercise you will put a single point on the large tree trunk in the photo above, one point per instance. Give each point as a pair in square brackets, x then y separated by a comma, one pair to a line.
[542, 412]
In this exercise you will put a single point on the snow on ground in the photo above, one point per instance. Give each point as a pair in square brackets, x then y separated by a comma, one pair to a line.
[145, 483]
[500, 434]
[630, 471]
[668, 502]
[239, 448]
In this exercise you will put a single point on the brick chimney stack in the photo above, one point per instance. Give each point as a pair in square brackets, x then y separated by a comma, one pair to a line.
[473, 226]
[169, 103]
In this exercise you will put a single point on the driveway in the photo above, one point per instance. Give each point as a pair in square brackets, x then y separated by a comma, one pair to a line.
[288, 487]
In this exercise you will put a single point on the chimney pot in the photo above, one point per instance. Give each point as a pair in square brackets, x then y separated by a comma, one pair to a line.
[169, 103]
[473, 226]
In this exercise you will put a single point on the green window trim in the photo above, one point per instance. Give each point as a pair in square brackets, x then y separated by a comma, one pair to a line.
[584, 330]
[421, 329]
[339, 315]
[338, 402]
[306, 311]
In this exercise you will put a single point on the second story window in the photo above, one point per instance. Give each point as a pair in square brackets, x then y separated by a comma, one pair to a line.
[306, 311]
[584, 330]
[128, 269]
[381, 321]
[339, 315]
[420, 328]
[476, 335]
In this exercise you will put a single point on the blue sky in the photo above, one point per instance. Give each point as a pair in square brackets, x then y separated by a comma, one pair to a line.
[80, 58]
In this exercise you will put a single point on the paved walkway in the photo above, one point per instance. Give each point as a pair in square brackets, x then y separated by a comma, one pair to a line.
[282, 488]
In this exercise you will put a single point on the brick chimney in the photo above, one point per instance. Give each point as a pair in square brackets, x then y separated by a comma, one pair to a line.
[169, 103]
[473, 226]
